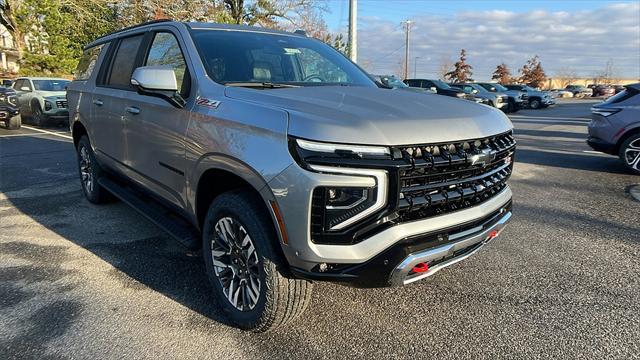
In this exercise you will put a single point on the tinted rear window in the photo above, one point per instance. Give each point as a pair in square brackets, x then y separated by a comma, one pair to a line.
[87, 63]
[124, 61]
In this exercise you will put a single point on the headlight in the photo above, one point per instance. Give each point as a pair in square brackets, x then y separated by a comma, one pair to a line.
[47, 105]
[339, 207]
[335, 208]
[356, 150]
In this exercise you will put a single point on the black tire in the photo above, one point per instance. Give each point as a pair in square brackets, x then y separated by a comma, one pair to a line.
[534, 103]
[281, 298]
[14, 123]
[630, 153]
[37, 116]
[92, 190]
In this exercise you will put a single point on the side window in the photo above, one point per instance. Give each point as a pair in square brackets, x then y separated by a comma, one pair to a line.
[316, 67]
[165, 50]
[124, 61]
[23, 83]
[87, 63]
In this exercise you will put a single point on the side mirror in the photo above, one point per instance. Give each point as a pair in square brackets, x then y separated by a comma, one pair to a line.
[433, 89]
[158, 81]
[25, 88]
[474, 91]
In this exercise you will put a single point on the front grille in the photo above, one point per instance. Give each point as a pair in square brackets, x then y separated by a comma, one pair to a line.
[448, 177]
[61, 104]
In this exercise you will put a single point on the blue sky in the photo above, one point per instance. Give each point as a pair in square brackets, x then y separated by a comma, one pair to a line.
[580, 36]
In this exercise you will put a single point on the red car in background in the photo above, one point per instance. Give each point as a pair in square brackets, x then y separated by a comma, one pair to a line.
[604, 90]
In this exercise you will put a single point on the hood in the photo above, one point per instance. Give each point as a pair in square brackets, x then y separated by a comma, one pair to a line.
[361, 115]
[53, 94]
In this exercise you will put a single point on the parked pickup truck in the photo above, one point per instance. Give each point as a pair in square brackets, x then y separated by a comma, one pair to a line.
[537, 99]
[9, 110]
[284, 163]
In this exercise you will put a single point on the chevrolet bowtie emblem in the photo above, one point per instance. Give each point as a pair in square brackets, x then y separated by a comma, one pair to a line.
[486, 156]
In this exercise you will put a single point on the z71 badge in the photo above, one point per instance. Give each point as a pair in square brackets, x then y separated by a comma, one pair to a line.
[213, 104]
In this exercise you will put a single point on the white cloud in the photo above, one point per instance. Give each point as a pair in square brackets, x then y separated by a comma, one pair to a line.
[582, 40]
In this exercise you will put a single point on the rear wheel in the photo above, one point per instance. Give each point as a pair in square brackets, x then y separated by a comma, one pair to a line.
[14, 123]
[245, 267]
[630, 153]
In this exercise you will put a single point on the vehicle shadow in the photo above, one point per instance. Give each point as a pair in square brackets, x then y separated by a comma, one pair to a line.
[141, 254]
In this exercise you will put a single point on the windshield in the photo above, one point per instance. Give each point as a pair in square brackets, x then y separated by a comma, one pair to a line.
[440, 84]
[256, 58]
[493, 87]
[394, 82]
[50, 85]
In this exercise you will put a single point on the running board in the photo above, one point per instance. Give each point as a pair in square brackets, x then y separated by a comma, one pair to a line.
[160, 215]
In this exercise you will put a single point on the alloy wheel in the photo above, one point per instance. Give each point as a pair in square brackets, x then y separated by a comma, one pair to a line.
[236, 264]
[85, 169]
[632, 154]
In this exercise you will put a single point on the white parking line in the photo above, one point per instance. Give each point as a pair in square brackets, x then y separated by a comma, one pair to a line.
[48, 132]
[19, 135]
[549, 118]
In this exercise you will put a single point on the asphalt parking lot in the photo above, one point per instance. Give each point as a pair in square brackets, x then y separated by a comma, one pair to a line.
[85, 281]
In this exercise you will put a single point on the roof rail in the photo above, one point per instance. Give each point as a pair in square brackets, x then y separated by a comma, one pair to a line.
[300, 32]
[133, 27]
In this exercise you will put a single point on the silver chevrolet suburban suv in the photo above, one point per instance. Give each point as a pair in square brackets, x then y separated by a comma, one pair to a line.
[284, 163]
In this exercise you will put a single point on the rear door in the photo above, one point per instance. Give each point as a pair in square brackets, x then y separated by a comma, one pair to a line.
[109, 98]
[155, 128]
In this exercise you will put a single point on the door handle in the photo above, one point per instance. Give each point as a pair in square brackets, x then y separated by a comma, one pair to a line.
[98, 102]
[133, 110]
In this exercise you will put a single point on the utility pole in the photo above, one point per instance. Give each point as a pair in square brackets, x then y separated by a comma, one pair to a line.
[353, 31]
[406, 47]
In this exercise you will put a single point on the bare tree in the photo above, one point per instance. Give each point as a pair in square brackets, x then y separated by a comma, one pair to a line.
[606, 76]
[445, 67]
[566, 76]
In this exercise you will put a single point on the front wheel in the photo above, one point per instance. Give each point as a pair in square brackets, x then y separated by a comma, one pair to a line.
[534, 103]
[37, 116]
[245, 268]
[14, 122]
[90, 172]
[630, 153]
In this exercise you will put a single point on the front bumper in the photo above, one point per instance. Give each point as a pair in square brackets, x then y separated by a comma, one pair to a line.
[438, 249]
[598, 144]
[548, 101]
[60, 113]
[7, 112]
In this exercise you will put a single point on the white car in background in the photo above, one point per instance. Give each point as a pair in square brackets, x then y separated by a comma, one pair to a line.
[561, 93]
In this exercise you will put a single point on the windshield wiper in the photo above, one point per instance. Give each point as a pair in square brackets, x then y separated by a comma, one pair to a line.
[264, 85]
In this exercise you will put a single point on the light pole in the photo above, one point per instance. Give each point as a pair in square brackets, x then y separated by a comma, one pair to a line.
[415, 66]
[353, 30]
